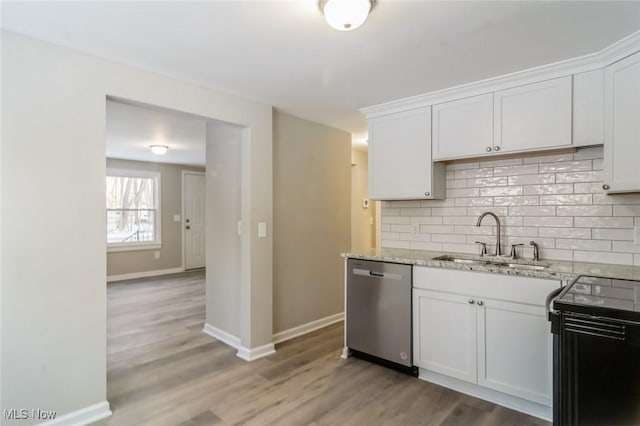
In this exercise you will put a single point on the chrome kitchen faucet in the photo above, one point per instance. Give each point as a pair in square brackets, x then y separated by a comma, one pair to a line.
[498, 245]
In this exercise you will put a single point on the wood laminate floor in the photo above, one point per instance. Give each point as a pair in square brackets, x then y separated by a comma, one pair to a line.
[162, 370]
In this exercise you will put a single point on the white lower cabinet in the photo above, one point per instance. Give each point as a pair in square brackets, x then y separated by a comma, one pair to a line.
[472, 333]
[514, 350]
[444, 334]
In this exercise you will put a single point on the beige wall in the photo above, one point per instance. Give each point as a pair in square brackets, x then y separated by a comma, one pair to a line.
[311, 219]
[362, 219]
[129, 262]
[53, 324]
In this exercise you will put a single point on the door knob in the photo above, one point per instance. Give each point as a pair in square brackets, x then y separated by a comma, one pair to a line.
[427, 194]
[496, 148]
[471, 301]
[488, 149]
[187, 221]
[480, 303]
[605, 186]
[187, 227]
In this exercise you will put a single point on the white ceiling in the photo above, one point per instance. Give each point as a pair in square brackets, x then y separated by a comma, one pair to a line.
[282, 52]
[131, 129]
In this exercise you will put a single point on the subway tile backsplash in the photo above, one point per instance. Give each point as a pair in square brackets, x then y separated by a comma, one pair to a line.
[555, 200]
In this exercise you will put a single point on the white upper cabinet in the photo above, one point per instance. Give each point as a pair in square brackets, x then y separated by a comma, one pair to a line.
[463, 128]
[588, 108]
[533, 117]
[400, 164]
[622, 125]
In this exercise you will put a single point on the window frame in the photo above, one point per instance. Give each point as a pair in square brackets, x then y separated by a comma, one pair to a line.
[147, 245]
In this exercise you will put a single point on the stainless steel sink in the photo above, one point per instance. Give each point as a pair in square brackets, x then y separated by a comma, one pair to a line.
[463, 260]
[525, 266]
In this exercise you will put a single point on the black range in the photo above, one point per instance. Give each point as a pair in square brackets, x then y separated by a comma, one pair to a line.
[596, 329]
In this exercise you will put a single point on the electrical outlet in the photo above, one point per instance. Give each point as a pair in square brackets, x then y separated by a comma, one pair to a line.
[157, 255]
[415, 230]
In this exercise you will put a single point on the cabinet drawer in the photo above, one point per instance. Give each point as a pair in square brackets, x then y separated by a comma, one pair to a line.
[495, 286]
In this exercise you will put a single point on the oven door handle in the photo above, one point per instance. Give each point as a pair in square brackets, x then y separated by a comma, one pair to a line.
[547, 304]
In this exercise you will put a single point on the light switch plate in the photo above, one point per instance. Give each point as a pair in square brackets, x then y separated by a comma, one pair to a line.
[262, 229]
[176, 218]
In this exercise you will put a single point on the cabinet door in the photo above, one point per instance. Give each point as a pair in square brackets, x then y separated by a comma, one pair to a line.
[622, 125]
[535, 116]
[588, 108]
[444, 334]
[400, 156]
[515, 350]
[463, 128]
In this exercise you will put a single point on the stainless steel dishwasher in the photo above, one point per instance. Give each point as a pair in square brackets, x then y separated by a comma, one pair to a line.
[379, 313]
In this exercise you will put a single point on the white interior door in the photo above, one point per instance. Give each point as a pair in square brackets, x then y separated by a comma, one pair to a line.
[194, 220]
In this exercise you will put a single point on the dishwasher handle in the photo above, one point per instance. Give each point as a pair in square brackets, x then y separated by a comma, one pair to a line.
[376, 274]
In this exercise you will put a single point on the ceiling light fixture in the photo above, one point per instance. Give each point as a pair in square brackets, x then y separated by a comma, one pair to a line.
[159, 149]
[346, 15]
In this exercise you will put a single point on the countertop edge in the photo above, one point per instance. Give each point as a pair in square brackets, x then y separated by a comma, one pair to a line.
[558, 270]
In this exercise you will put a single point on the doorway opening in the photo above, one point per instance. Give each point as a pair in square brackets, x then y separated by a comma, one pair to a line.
[167, 276]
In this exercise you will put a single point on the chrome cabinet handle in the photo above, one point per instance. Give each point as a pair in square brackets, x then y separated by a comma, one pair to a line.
[488, 149]
[605, 186]
[471, 301]
[480, 303]
[496, 148]
[427, 194]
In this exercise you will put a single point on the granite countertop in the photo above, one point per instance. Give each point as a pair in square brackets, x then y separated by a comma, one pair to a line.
[557, 270]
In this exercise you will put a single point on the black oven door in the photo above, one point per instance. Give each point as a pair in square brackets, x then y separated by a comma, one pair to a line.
[596, 371]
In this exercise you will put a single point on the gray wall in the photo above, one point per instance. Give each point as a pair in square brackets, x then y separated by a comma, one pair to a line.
[312, 218]
[224, 147]
[128, 262]
[53, 324]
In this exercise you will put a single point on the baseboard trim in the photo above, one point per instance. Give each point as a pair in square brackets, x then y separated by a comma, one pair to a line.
[223, 336]
[509, 401]
[252, 354]
[145, 274]
[82, 417]
[309, 327]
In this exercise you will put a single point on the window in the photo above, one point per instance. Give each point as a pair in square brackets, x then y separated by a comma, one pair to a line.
[133, 213]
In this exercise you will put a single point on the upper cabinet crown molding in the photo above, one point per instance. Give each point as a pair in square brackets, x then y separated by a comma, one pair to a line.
[581, 64]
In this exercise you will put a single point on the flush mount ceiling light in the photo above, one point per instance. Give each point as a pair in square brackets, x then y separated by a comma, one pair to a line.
[159, 149]
[346, 15]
